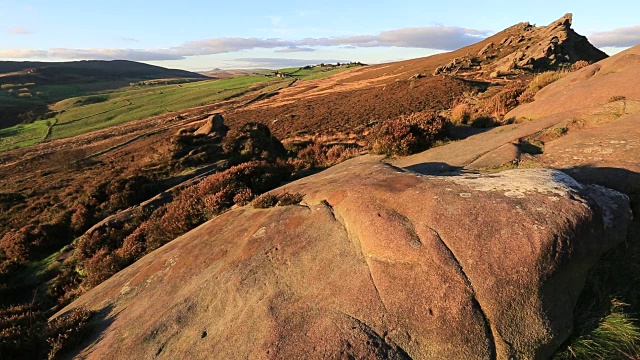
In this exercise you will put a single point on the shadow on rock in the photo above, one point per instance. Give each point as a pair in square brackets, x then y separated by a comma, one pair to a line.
[435, 168]
[461, 132]
[102, 319]
[619, 179]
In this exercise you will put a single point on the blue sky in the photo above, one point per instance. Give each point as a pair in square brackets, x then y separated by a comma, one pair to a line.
[201, 35]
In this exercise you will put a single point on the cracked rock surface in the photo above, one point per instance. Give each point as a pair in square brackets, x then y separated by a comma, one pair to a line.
[376, 263]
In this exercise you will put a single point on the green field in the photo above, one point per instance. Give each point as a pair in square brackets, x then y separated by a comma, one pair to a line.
[22, 135]
[102, 109]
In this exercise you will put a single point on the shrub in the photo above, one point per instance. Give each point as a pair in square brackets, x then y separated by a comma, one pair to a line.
[339, 153]
[22, 332]
[182, 215]
[133, 246]
[617, 98]
[526, 97]
[243, 197]
[81, 219]
[67, 330]
[198, 203]
[65, 286]
[392, 137]
[484, 122]
[253, 140]
[16, 245]
[286, 198]
[406, 134]
[313, 156]
[33, 242]
[192, 150]
[264, 201]
[221, 200]
[101, 267]
[502, 102]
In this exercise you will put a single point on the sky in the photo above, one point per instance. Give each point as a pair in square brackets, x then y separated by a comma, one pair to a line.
[203, 35]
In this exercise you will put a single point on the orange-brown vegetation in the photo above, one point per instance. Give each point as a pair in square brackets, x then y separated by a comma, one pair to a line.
[406, 134]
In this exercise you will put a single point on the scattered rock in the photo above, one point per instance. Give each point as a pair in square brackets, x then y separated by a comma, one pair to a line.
[214, 123]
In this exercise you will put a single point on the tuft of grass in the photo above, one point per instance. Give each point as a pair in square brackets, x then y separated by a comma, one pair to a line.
[461, 114]
[540, 81]
[614, 336]
[605, 327]
[531, 147]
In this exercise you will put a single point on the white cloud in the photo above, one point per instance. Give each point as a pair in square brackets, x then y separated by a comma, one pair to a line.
[435, 37]
[19, 31]
[620, 37]
[22, 54]
[292, 49]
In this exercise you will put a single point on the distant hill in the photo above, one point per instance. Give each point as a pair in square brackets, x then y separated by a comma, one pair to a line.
[44, 83]
[90, 69]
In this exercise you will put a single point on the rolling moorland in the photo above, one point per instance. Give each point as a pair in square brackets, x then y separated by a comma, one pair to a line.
[73, 115]
[479, 202]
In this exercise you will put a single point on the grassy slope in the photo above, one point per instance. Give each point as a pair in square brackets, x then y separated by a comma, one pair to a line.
[136, 102]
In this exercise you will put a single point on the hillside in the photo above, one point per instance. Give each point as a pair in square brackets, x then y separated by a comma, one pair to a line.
[270, 282]
[488, 264]
[376, 93]
[29, 88]
[447, 254]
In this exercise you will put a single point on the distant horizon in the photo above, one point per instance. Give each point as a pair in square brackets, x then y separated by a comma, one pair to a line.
[200, 37]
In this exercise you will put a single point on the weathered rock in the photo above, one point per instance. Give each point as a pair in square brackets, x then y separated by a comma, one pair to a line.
[547, 47]
[525, 47]
[588, 89]
[214, 123]
[486, 49]
[376, 263]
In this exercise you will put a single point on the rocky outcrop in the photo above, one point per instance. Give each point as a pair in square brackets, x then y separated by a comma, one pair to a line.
[375, 263]
[213, 124]
[548, 47]
[529, 48]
